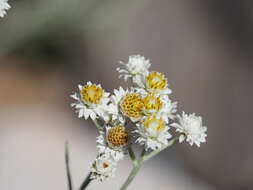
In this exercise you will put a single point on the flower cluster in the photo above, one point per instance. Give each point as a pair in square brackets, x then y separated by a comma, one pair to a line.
[142, 114]
[4, 6]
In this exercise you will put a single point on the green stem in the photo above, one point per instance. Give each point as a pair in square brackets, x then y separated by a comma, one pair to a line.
[144, 157]
[132, 175]
[95, 121]
[67, 166]
[86, 182]
[136, 167]
[131, 153]
[154, 153]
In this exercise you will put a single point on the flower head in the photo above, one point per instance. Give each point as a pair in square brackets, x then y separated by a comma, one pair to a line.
[103, 167]
[4, 6]
[162, 106]
[152, 104]
[153, 132]
[191, 128]
[156, 82]
[91, 101]
[136, 69]
[117, 137]
[113, 141]
[131, 106]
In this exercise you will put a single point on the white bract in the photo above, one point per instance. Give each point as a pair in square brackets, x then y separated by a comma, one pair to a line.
[4, 6]
[191, 128]
[114, 108]
[103, 167]
[136, 69]
[153, 133]
[91, 101]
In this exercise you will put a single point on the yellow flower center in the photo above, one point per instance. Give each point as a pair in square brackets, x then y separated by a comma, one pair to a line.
[117, 136]
[132, 105]
[154, 124]
[92, 94]
[152, 103]
[156, 81]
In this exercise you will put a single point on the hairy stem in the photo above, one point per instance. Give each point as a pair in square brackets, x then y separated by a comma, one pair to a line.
[86, 182]
[136, 167]
[96, 122]
[154, 153]
[131, 153]
[132, 175]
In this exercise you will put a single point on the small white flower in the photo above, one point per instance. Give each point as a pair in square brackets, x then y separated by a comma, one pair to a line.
[103, 167]
[191, 128]
[136, 69]
[4, 6]
[91, 101]
[153, 133]
[113, 108]
[113, 141]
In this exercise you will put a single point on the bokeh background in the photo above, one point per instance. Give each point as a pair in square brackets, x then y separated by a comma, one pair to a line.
[47, 47]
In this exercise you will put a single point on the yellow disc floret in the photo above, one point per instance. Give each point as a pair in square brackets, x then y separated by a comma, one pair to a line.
[152, 103]
[92, 94]
[152, 123]
[156, 81]
[117, 136]
[132, 105]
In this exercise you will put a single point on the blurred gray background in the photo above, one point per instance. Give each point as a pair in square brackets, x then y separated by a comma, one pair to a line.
[47, 47]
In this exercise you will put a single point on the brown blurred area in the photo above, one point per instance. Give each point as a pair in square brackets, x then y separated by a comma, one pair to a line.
[48, 47]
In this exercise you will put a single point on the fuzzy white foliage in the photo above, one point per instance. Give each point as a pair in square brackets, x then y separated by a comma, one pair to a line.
[4, 6]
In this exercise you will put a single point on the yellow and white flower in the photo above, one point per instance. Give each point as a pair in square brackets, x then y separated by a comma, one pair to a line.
[4, 6]
[191, 128]
[157, 83]
[131, 105]
[153, 132]
[91, 101]
[103, 167]
[113, 141]
[136, 69]
[162, 106]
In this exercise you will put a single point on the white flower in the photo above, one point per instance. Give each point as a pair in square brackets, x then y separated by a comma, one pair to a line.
[153, 133]
[113, 108]
[91, 101]
[191, 128]
[4, 6]
[136, 69]
[113, 141]
[103, 167]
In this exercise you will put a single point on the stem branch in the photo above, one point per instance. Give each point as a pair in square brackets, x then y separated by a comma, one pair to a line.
[95, 121]
[131, 176]
[131, 153]
[154, 153]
